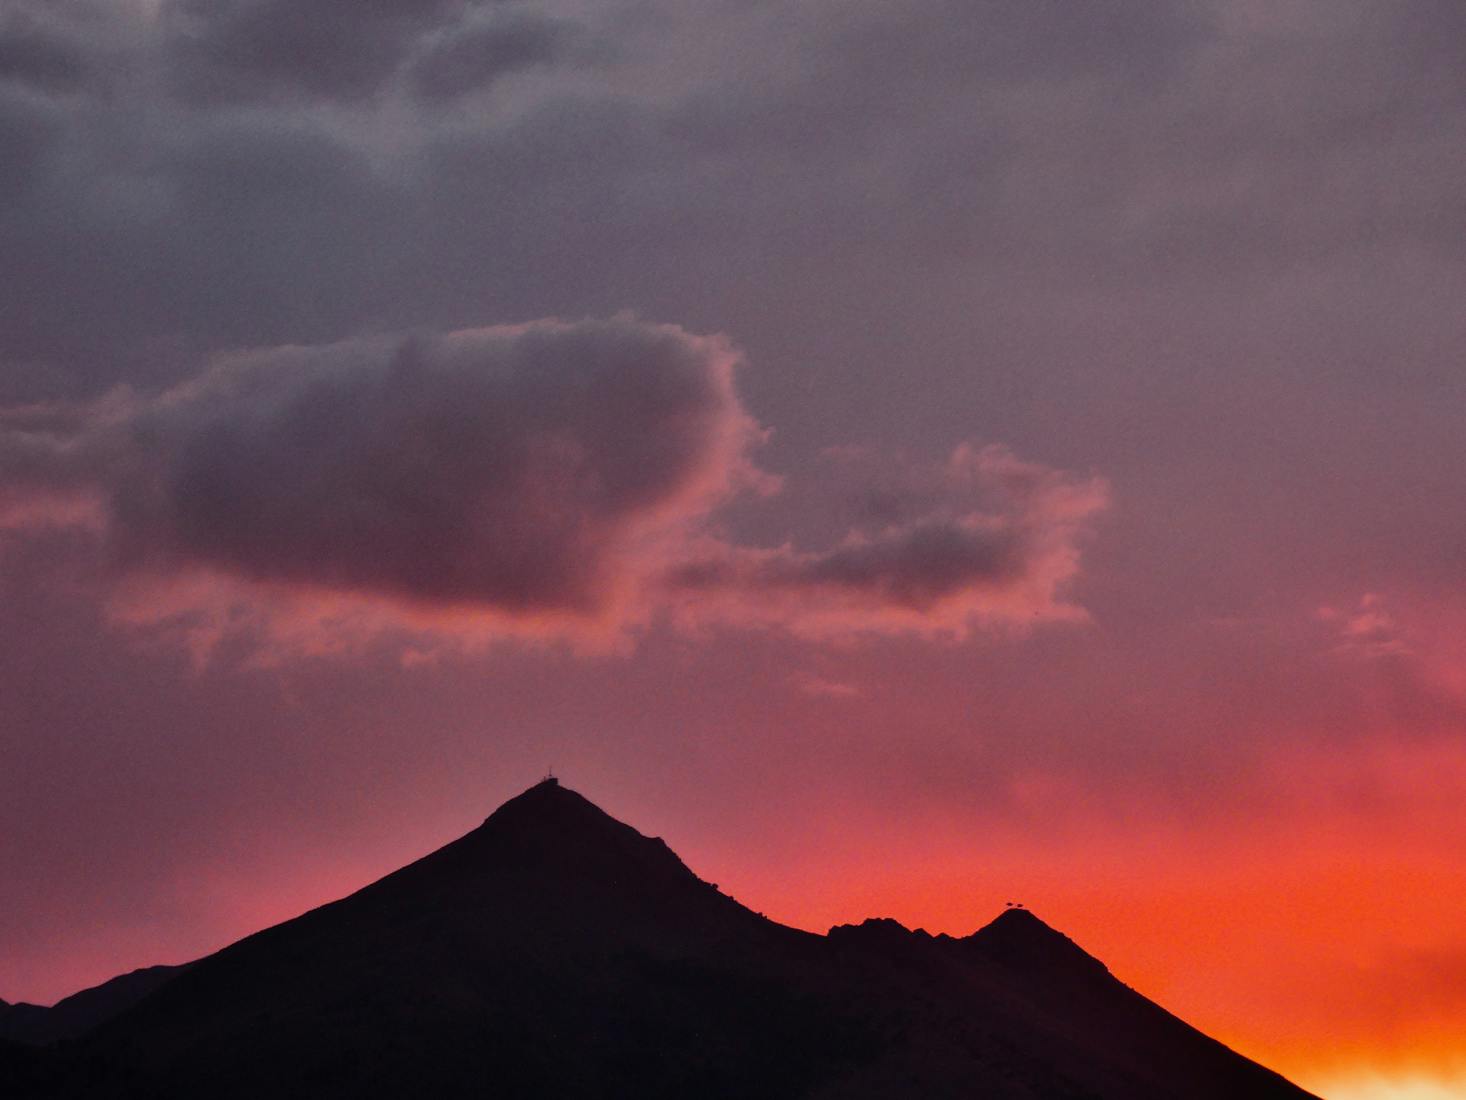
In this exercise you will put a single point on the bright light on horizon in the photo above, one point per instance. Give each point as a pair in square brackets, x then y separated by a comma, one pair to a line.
[1416, 1086]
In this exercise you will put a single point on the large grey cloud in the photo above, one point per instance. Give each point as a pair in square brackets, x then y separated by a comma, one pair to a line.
[506, 467]
[549, 470]
[501, 467]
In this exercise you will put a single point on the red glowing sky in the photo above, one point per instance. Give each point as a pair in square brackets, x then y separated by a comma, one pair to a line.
[912, 457]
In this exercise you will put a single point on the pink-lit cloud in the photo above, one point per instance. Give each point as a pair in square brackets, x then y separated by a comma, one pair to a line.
[1369, 630]
[996, 544]
[520, 473]
[550, 479]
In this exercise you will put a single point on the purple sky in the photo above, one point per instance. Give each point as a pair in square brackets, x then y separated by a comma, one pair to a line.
[835, 435]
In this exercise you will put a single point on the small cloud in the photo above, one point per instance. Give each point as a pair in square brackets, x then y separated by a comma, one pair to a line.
[988, 539]
[477, 55]
[821, 688]
[1369, 630]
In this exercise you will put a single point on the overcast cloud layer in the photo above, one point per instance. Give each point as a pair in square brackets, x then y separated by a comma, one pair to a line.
[1030, 425]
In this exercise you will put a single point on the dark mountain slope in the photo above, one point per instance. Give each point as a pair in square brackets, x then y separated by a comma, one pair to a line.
[550, 951]
[1023, 1009]
[555, 952]
[26, 1070]
[78, 1014]
[1089, 1011]
[23, 1022]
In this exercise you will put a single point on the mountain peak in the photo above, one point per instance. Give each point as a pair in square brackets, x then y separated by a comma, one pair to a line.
[1017, 917]
[1018, 938]
[549, 816]
[544, 796]
[555, 851]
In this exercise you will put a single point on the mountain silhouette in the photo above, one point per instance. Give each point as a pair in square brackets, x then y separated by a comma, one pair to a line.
[556, 952]
[78, 1014]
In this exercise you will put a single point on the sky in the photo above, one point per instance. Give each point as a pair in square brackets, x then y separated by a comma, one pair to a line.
[912, 456]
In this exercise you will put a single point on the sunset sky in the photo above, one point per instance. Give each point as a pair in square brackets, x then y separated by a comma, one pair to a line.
[912, 455]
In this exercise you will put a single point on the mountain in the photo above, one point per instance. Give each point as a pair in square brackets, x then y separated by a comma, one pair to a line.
[81, 1012]
[556, 952]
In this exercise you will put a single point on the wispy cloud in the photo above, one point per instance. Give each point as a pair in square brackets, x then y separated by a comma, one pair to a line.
[1368, 630]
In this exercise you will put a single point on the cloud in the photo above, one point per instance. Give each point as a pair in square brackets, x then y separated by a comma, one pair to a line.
[263, 49]
[820, 688]
[45, 478]
[995, 541]
[476, 56]
[518, 470]
[1370, 630]
[191, 206]
[546, 478]
[34, 55]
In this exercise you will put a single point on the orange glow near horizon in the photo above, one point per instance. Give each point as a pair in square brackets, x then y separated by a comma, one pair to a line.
[1310, 919]
[1329, 948]
[1407, 1085]
[1325, 943]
